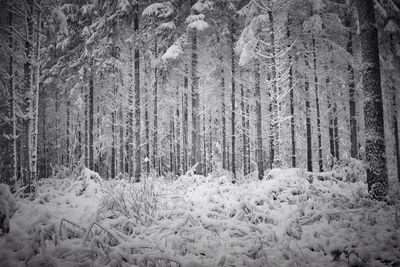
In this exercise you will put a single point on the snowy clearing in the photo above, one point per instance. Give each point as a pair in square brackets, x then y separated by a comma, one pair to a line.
[287, 220]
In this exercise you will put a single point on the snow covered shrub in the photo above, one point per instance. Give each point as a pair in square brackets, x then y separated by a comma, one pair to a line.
[137, 201]
[8, 207]
[350, 170]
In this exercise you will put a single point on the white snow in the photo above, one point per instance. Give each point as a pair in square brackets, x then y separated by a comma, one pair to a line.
[176, 49]
[161, 10]
[202, 5]
[197, 22]
[288, 219]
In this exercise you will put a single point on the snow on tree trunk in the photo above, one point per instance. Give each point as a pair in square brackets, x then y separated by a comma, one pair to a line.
[223, 115]
[291, 99]
[178, 134]
[185, 120]
[308, 120]
[233, 101]
[257, 95]
[12, 115]
[320, 165]
[137, 100]
[243, 120]
[195, 157]
[129, 146]
[91, 118]
[352, 93]
[155, 111]
[377, 176]
[28, 84]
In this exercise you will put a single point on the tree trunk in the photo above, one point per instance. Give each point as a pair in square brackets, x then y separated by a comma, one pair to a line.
[223, 116]
[276, 157]
[178, 135]
[233, 101]
[320, 163]
[147, 120]
[377, 176]
[244, 137]
[12, 115]
[291, 99]
[352, 93]
[91, 118]
[28, 84]
[138, 159]
[195, 103]
[68, 128]
[129, 146]
[308, 121]
[257, 95]
[185, 121]
[395, 113]
[155, 111]
[113, 126]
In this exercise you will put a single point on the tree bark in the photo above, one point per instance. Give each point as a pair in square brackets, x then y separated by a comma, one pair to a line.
[291, 99]
[28, 84]
[129, 146]
[223, 115]
[233, 101]
[276, 157]
[185, 121]
[257, 95]
[308, 121]
[195, 103]
[244, 137]
[320, 163]
[138, 159]
[352, 93]
[12, 115]
[91, 118]
[155, 111]
[377, 176]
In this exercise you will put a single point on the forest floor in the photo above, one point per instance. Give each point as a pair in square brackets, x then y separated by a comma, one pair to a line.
[291, 218]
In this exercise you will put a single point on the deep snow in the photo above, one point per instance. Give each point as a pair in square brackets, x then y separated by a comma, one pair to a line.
[292, 218]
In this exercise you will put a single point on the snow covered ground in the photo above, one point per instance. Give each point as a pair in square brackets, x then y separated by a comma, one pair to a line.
[290, 219]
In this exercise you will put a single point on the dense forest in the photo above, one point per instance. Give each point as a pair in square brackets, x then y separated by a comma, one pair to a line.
[135, 88]
[199, 133]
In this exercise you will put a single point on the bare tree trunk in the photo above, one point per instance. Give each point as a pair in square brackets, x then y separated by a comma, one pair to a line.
[248, 148]
[12, 115]
[244, 136]
[155, 111]
[395, 113]
[138, 159]
[204, 142]
[195, 157]
[377, 176]
[122, 151]
[276, 156]
[233, 101]
[147, 120]
[113, 125]
[28, 83]
[257, 95]
[185, 121]
[178, 135]
[68, 128]
[223, 115]
[352, 93]
[129, 146]
[308, 121]
[320, 163]
[91, 119]
[291, 99]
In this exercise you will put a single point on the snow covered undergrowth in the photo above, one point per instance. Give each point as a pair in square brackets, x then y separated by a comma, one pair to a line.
[287, 220]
